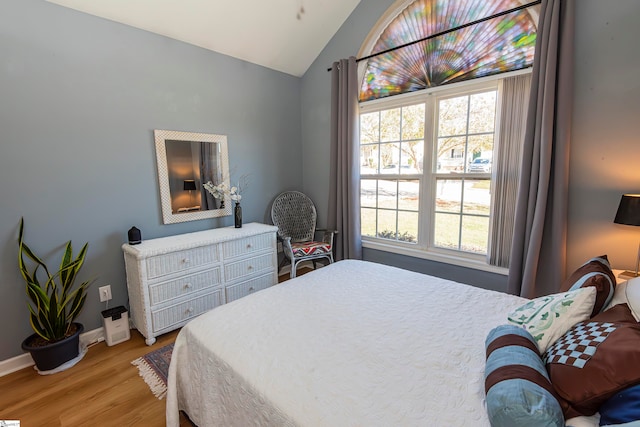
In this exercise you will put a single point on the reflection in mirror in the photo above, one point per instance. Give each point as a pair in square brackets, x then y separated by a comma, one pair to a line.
[187, 160]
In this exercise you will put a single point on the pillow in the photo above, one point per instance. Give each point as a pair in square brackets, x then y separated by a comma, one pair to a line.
[622, 407]
[594, 360]
[582, 421]
[517, 385]
[630, 296]
[619, 296]
[597, 273]
[548, 318]
[632, 293]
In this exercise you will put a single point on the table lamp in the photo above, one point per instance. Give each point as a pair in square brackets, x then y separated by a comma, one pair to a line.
[189, 185]
[629, 214]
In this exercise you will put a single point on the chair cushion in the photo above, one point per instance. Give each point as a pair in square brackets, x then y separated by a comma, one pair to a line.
[301, 249]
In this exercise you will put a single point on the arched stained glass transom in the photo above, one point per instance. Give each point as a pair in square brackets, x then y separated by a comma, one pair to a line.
[501, 44]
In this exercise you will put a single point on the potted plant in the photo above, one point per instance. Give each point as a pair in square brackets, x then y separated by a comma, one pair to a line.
[54, 304]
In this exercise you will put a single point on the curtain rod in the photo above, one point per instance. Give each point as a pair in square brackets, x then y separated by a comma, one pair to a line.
[441, 33]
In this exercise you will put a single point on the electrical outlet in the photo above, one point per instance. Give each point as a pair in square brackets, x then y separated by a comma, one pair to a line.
[105, 293]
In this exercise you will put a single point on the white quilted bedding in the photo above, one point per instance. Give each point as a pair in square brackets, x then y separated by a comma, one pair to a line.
[351, 344]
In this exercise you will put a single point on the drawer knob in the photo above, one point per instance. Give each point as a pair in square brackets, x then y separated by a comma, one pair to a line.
[249, 246]
[188, 286]
[250, 267]
[251, 289]
[186, 261]
[190, 310]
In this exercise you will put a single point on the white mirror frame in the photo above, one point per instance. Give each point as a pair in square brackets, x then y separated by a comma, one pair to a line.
[161, 136]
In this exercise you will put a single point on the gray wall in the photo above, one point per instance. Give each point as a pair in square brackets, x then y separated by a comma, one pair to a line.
[605, 148]
[79, 99]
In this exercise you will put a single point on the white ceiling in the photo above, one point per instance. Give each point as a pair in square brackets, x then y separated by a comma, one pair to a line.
[264, 32]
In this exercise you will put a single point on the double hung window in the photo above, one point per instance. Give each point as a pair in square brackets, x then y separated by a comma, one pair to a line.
[426, 167]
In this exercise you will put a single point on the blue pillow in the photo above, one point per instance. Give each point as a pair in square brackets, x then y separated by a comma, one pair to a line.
[623, 407]
[519, 392]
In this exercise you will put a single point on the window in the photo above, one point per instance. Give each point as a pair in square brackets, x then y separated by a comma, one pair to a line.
[426, 170]
[493, 45]
[465, 133]
[435, 181]
[391, 154]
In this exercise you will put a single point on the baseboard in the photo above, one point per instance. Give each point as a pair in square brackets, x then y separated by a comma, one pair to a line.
[15, 364]
[286, 270]
[92, 337]
[24, 360]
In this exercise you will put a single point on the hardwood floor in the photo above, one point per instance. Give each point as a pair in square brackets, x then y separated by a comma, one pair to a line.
[103, 389]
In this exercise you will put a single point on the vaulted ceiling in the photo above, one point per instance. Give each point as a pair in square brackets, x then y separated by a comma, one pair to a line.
[284, 35]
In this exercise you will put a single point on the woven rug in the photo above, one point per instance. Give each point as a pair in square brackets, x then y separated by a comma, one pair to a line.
[153, 368]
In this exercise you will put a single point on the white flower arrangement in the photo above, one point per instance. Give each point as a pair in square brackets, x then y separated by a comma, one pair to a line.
[236, 192]
[217, 191]
[221, 190]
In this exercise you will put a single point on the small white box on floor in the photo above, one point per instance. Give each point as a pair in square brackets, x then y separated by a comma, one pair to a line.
[116, 325]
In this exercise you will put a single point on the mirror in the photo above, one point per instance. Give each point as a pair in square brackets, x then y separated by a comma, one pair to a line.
[186, 160]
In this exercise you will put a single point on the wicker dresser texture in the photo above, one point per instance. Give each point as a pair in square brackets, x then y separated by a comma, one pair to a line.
[173, 279]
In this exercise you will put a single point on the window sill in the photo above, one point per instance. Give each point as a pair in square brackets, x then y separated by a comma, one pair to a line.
[435, 255]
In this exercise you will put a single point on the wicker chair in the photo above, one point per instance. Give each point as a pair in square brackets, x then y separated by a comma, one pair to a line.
[295, 216]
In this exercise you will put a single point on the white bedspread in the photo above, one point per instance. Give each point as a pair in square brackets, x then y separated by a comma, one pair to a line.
[351, 344]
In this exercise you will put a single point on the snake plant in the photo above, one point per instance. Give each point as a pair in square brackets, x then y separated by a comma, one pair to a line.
[54, 301]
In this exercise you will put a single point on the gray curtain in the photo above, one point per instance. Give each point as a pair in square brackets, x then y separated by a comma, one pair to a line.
[344, 182]
[207, 173]
[538, 253]
[506, 162]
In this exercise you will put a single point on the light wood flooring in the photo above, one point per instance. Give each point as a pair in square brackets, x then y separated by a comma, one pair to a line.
[102, 390]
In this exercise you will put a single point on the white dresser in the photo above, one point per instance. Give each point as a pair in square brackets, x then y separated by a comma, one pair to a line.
[173, 279]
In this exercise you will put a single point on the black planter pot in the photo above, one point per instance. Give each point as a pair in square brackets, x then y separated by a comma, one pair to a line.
[51, 356]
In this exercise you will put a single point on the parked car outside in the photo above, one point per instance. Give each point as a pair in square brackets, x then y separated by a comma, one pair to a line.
[480, 165]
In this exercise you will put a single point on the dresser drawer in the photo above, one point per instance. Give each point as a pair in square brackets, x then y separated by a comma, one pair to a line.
[161, 265]
[250, 286]
[247, 267]
[170, 316]
[165, 291]
[173, 279]
[248, 245]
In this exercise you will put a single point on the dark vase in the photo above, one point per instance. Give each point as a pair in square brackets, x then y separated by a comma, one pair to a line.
[55, 354]
[237, 214]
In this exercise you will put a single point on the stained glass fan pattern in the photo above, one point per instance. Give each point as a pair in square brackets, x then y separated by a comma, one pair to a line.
[497, 45]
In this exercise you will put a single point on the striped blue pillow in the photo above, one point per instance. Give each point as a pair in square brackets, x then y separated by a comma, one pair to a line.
[519, 392]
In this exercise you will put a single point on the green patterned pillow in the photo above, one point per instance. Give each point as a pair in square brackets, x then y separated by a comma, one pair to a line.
[547, 318]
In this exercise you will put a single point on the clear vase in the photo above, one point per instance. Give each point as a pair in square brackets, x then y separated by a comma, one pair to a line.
[237, 215]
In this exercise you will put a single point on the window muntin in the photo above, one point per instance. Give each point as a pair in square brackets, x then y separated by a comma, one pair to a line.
[445, 206]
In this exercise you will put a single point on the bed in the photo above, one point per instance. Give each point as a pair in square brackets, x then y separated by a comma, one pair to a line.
[351, 344]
